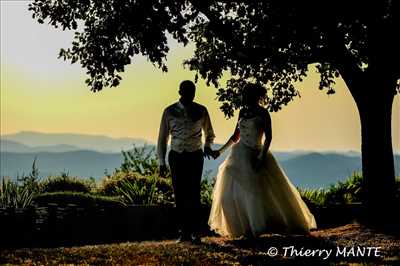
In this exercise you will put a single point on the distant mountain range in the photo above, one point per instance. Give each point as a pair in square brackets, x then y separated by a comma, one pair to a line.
[304, 168]
[61, 142]
[312, 169]
[13, 146]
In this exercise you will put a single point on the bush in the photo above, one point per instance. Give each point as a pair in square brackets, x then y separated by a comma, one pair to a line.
[77, 198]
[141, 160]
[109, 183]
[67, 183]
[31, 181]
[19, 193]
[348, 191]
[206, 190]
[13, 195]
[134, 193]
[137, 189]
[313, 196]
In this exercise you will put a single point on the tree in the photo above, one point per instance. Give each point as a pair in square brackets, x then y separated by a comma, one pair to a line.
[269, 42]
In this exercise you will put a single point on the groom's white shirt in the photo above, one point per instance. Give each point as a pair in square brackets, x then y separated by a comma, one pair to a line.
[185, 125]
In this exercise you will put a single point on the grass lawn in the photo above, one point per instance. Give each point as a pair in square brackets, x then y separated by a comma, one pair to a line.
[222, 251]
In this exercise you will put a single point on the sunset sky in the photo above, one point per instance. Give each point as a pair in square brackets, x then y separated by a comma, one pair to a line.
[42, 93]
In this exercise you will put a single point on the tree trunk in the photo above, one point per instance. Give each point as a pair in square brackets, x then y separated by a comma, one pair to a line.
[375, 110]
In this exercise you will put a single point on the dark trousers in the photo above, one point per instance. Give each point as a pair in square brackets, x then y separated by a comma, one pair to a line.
[186, 171]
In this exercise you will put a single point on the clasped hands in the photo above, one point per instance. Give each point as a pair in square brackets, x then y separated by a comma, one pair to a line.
[209, 153]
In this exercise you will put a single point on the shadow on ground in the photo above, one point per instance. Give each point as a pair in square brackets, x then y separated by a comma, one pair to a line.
[221, 251]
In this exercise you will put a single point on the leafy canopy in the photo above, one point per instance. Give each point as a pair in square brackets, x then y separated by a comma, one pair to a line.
[269, 42]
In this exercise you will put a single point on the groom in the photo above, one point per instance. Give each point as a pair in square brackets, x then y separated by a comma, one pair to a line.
[184, 121]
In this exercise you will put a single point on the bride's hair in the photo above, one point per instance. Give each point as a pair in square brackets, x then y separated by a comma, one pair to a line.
[254, 90]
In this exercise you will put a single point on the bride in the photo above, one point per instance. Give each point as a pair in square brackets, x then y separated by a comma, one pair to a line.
[252, 194]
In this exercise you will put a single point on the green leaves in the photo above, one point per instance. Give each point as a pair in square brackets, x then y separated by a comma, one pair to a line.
[348, 191]
[12, 195]
[269, 42]
[134, 193]
[328, 75]
[64, 182]
[140, 160]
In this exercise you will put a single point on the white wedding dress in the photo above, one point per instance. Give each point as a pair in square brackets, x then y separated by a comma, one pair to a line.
[250, 202]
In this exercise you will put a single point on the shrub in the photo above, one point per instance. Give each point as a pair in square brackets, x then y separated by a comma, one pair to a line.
[109, 183]
[30, 181]
[337, 194]
[134, 193]
[67, 183]
[137, 189]
[140, 160]
[13, 195]
[19, 193]
[77, 198]
[348, 191]
[314, 196]
[206, 190]
[354, 185]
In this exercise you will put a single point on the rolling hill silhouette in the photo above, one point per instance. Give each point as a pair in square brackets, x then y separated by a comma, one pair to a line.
[13, 146]
[82, 141]
[304, 168]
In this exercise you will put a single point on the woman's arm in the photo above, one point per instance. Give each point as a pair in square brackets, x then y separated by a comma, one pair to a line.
[233, 139]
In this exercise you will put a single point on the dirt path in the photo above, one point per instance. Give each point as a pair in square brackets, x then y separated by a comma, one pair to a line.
[346, 243]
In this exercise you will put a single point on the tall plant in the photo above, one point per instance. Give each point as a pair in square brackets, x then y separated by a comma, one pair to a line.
[140, 160]
[20, 193]
[31, 181]
[14, 196]
[135, 193]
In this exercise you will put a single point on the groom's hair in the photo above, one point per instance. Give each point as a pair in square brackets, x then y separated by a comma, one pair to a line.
[254, 90]
[187, 85]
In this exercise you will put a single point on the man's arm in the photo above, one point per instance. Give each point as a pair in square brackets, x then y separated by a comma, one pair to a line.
[209, 135]
[208, 130]
[163, 137]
